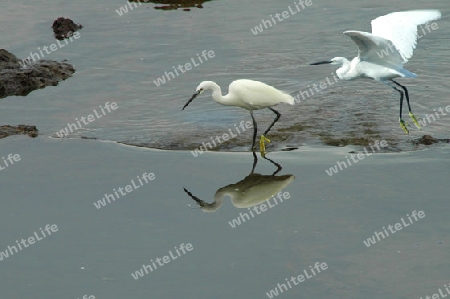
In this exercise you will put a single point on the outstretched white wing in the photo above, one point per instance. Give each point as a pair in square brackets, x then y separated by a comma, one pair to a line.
[401, 28]
[376, 49]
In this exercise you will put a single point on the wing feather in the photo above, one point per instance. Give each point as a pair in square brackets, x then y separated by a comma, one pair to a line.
[259, 94]
[401, 28]
[375, 49]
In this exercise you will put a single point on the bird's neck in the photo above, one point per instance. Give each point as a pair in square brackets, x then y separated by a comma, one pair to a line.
[219, 98]
[344, 71]
[214, 206]
[217, 94]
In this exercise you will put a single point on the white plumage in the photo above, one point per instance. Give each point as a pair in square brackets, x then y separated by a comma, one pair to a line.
[382, 53]
[250, 95]
[401, 28]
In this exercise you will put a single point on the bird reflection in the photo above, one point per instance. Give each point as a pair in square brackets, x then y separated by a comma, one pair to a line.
[254, 189]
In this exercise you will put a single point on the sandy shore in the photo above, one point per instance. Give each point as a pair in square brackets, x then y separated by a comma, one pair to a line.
[326, 219]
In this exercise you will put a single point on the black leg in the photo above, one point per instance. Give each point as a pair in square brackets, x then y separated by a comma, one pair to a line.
[274, 121]
[255, 161]
[406, 93]
[255, 130]
[274, 163]
[402, 92]
[402, 122]
[401, 100]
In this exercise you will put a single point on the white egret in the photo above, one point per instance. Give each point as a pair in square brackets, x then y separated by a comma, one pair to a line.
[250, 95]
[382, 53]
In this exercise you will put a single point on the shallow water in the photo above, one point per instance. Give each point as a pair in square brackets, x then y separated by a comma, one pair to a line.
[118, 57]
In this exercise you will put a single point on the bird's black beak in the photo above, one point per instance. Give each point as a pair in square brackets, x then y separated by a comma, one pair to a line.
[321, 62]
[192, 98]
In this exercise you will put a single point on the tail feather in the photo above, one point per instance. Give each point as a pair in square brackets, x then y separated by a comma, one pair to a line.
[288, 99]
[405, 73]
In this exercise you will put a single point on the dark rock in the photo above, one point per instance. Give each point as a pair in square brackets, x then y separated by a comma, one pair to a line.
[64, 28]
[428, 140]
[7, 130]
[8, 60]
[15, 80]
[174, 4]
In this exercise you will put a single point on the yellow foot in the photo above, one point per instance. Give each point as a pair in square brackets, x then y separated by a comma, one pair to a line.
[262, 145]
[403, 126]
[414, 119]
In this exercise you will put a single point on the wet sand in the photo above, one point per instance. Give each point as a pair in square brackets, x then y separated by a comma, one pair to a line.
[326, 219]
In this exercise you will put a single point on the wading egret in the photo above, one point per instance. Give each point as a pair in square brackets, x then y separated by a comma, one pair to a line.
[382, 53]
[250, 95]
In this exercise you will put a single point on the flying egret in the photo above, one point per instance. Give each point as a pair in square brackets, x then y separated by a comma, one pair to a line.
[250, 95]
[382, 53]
